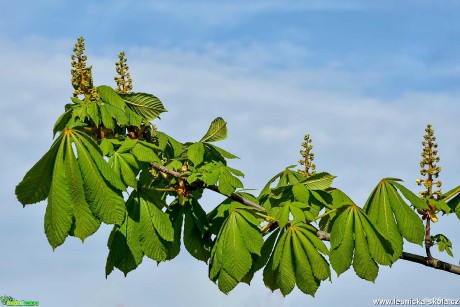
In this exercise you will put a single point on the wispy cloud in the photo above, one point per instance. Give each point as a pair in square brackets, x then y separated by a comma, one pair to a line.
[357, 137]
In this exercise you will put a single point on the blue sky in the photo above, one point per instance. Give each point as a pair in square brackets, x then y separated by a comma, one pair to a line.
[362, 78]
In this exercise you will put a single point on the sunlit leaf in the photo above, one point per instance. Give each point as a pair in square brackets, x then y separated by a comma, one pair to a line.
[217, 131]
[147, 106]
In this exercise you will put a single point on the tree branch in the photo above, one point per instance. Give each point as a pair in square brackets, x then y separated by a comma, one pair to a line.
[234, 196]
[323, 235]
[433, 263]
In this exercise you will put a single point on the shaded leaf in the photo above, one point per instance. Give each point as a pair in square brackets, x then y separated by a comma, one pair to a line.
[35, 186]
[62, 121]
[296, 260]
[223, 152]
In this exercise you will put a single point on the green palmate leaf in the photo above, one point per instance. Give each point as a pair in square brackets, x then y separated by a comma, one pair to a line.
[106, 146]
[96, 155]
[342, 243]
[193, 240]
[35, 185]
[160, 220]
[266, 250]
[286, 177]
[298, 211]
[454, 205]
[339, 198]
[223, 152]
[78, 195]
[176, 217]
[62, 121]
[166, 142]
[453, 200]
[126, 167]
[305, 280]
[297, 260]
[416, 201]
[116, 113]
[231, 258]
[105, 200]
[145, 105]
[59, 211]
[111, 115]
[234, 171]
[378, 207]
[144, 152]
[124, 254]
[196, 239]
[353, 232]
[228, 183]
[127, 145]
[313, 247]
[443, 244]
[281, 214]
[301, 193]
[133, 118]
[211, 154]
[84, 222]
[106, 118]
[195, 153]
[210, 173]
[441, 205]
[319, 181]
[285, 270]
[393, 217]
[157, 232]
[217, 131]
[125, 250]
[93, 113]
[110, 96]
[409, 223]
[146, 231]
[363, 264]
[448, 195]
[79, 108]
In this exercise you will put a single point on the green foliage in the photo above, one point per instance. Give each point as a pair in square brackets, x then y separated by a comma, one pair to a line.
[109, 164]
[147, 230]
[297, 259]
[443, 243]
[237, 241]
[393, 217]
[353, 233]
[81, 191]
[216, 132]
[145, 105]
[36, 184]
[197, 238]
[454, 205]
